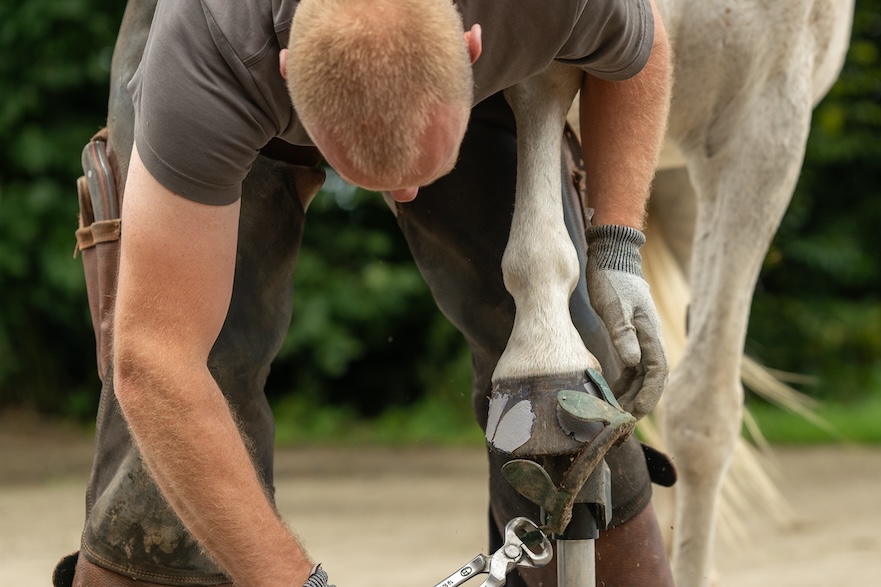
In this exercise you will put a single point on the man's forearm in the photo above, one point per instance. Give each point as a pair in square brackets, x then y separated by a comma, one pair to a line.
[622, 128]
[189, 441]
[176, 270]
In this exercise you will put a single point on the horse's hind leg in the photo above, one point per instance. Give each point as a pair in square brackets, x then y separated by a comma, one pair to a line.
[743, 187]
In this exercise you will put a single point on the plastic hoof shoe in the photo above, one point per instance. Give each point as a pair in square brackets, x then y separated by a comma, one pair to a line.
[583, 423]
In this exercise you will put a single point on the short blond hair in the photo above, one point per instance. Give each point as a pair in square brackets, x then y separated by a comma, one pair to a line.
[367, 72]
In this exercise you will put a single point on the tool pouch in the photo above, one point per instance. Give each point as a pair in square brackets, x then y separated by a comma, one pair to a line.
[97, 240]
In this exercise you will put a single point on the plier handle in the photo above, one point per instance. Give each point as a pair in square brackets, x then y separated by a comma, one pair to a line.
[514, 552]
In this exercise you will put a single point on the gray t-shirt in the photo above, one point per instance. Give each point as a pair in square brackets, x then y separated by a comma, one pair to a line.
[208, 94]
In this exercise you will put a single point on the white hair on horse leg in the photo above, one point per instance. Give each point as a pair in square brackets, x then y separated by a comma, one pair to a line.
[540, 265]
[749, 487]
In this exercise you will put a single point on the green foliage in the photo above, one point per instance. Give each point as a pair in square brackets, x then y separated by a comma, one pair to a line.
[852, 422]
[53, 95]
[430, 421]
[817, 309]
[365, 331]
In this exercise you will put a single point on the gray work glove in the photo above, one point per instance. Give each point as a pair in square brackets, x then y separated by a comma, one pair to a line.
[620, 296]
[318, 578]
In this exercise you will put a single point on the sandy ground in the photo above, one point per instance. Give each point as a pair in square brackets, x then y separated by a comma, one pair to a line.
[404, 518]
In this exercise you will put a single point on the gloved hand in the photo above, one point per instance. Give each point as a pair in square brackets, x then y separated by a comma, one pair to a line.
[620, 296]
[318, 578]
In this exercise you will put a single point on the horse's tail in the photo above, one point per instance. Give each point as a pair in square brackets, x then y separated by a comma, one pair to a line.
[749, 486]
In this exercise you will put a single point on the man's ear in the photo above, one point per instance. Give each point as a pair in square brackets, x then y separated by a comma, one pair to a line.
[474, 42]
[283, 64]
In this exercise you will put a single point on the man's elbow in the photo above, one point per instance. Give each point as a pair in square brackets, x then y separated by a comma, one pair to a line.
[134, 374]
[146, 371]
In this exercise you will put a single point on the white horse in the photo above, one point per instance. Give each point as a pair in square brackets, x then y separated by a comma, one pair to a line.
[748, 74]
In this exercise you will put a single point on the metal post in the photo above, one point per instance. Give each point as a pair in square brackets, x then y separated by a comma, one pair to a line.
[576, 552]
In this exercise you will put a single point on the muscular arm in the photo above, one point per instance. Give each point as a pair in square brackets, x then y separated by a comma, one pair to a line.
[176, 273]
[622, 126]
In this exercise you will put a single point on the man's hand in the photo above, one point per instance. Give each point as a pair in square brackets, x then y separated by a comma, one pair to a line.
[621, 297]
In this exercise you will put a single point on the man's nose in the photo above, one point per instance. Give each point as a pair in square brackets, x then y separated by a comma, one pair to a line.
[404, 195]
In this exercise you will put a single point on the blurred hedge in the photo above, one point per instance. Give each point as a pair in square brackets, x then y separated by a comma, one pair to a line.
[366, 333]
[817, 309]
[54, 66]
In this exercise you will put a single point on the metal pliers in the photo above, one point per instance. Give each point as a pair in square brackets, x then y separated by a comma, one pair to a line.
[521, 536]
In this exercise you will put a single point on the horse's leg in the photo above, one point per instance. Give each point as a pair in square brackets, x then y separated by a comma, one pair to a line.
[457, 230]
[548, 398]
[744, 170]
[540, 265]
[665, 258]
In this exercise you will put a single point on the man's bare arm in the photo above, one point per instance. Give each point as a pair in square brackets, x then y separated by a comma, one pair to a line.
[176, 274]
[622, 127]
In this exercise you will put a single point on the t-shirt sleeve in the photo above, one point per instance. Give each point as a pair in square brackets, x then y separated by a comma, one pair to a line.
[198, 128]
[611, 39]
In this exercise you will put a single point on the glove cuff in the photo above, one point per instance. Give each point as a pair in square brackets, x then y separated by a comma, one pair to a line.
[318, 578]
[615, 247]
